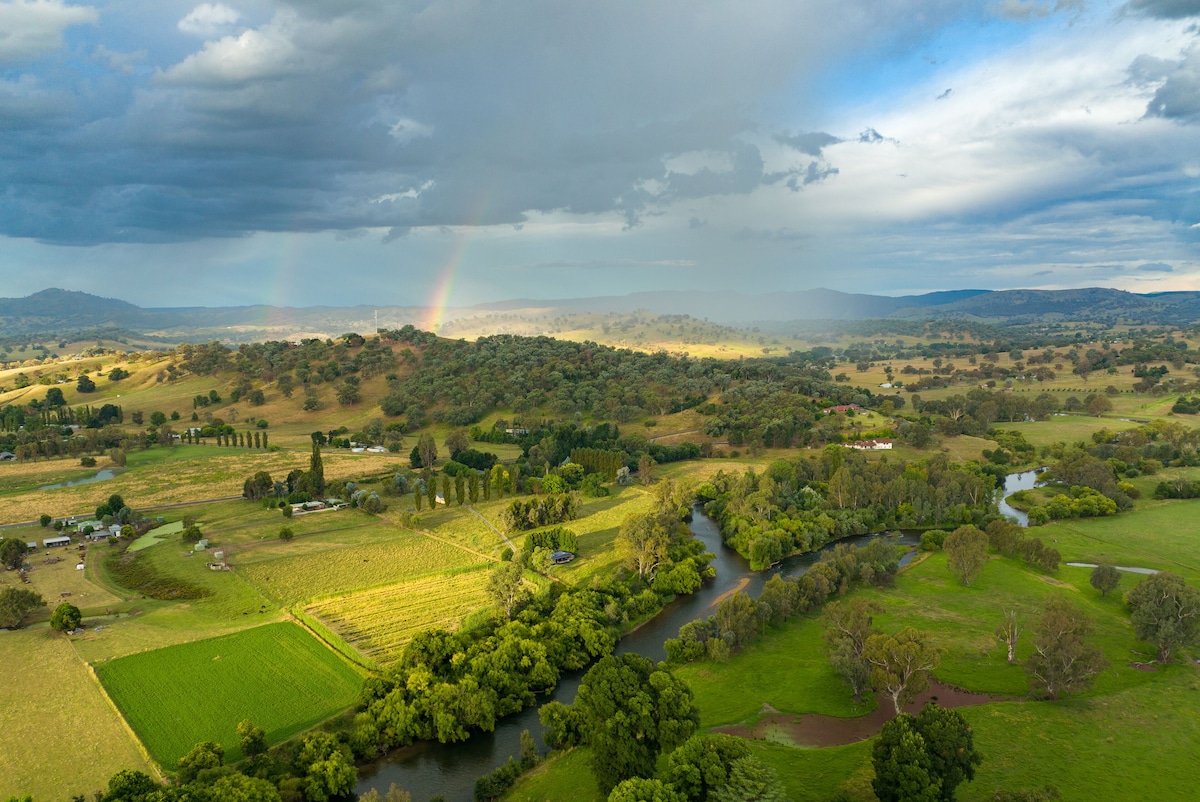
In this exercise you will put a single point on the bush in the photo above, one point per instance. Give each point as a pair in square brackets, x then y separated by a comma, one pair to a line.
[933, 540]
[87, 462]
[286, 534]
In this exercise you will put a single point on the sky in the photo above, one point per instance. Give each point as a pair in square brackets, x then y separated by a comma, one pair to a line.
[462, 151]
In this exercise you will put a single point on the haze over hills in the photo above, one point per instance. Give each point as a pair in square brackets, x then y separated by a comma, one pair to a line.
[60, 312]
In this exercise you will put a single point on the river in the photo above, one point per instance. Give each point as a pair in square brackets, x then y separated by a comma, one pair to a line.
[1025, 480]
[102, 475]
[426, 769]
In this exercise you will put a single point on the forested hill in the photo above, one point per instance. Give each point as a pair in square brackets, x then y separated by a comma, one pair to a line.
[59, 313]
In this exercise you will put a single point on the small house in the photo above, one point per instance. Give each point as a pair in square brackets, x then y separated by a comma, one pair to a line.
[376, 450]
[100, 533]
[51, 542]
[842, 408]
[560, 557]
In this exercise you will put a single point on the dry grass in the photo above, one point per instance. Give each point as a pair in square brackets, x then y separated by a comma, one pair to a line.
[58, 734]
[381, 621]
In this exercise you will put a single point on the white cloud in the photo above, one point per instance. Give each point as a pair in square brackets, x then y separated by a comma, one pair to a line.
[253, 55]
[209, 19]
[32, 28]
[406, 130]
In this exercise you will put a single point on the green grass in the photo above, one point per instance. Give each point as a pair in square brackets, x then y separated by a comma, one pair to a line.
[48, 699]
[278, 676]
[336, 568]
[567, 776]
[1158, 534]
[156, 536]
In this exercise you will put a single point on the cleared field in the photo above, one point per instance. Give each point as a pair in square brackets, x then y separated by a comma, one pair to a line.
[379, 622]
[293, 579]
[58, 734]
[278, 676]
[195, 473]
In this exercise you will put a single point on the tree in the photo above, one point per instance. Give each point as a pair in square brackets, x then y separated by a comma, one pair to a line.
[900, 664]
[631, 712]
[258, 486]
[54, 398]
[128, 785]
[457, 441]
[966, 553]
[328, 767]
[1105, 578]
[253, 740]
[950, 744]
[903, 768]
[506, 587]
[1165, 612]
[646, 466]
[15, 604]
[85, 384]
[847, 627]
[642, 543]
[1008, 632]
[394, 794]
[66, 618]
[640, 789]
[703, 764]
[204, 755]
[427, 450]
[750, 779]
[286, 533]
[1097, 405]
[314, 478]
[240, 788]
[1063, 661]
[12, 553]
[46, 519]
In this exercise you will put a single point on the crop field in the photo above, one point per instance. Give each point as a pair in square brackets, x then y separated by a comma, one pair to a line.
[379, 622]
[58, 734]
[278, 676]
[405, 555]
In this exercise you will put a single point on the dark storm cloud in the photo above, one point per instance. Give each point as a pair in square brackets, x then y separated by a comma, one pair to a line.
[812, 143]
[323, 115]
[1165, 9]
[1178, 96]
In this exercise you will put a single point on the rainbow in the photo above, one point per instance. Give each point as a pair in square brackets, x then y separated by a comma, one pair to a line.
[439, 301]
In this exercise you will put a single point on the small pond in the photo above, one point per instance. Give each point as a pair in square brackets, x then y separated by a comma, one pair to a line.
[101, 475]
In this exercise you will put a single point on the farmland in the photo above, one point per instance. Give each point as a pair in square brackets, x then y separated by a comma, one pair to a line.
[379, 622]
[48, 699]
[277, 676]
[288, 580]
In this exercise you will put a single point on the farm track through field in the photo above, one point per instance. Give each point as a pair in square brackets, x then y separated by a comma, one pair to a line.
[503, 536]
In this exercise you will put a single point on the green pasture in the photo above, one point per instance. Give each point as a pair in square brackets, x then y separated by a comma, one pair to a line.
[1134, 735]
[1158, 534]
[389, 556]
[277, 676]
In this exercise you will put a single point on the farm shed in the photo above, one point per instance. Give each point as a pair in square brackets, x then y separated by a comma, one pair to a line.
[560, 557]
[50, 542]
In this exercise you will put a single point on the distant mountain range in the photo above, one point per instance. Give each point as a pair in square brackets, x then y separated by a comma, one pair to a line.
[61, 312]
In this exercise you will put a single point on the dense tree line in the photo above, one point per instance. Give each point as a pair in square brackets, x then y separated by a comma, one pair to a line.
[798, 505]
[740, 619]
